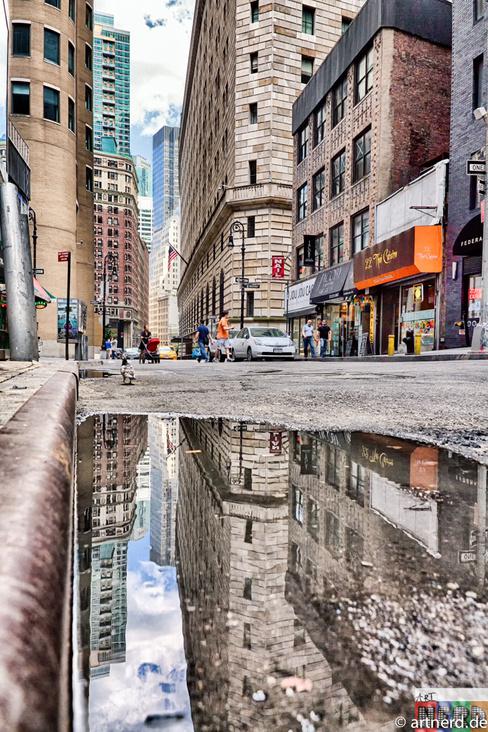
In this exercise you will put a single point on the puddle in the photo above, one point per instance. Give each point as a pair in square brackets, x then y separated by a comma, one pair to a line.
[243, 577]
[95, 374]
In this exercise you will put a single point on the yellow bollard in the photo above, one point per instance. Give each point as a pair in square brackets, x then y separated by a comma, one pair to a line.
[391, 345]
[418, 345]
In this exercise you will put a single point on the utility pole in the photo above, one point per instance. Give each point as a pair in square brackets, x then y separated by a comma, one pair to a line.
[480, 333]
[68, 308]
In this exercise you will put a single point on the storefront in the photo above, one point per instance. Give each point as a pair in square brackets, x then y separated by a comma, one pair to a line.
[332, 296]
[469, 245]
[403, 273]
[299, 308]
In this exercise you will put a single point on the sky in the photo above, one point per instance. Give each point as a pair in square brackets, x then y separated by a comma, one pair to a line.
[160, 39]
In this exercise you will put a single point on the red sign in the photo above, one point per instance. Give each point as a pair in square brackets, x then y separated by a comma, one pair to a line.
[275, 443]
[277, 267]
[475, 293]
[63, 256]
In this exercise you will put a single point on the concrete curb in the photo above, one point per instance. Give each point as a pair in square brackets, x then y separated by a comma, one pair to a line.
[403, 359]
[36, 493]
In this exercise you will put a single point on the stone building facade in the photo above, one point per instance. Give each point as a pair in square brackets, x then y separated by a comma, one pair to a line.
[164, 277]
[239, 164]
[364, 127]
[116, 230]
[50, 103]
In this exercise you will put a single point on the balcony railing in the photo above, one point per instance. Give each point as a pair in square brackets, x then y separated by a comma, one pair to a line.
[270, 190]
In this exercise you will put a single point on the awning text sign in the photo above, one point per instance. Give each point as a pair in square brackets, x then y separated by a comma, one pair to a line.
[299, 297]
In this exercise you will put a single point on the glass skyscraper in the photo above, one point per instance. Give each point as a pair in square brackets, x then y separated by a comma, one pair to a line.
[166, 191]
[111, 82]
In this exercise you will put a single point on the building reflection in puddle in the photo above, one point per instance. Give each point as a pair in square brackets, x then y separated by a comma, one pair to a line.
[350, 565]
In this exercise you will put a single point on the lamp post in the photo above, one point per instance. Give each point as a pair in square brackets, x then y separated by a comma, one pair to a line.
[33, 218]
[110, 257]
[238, 226]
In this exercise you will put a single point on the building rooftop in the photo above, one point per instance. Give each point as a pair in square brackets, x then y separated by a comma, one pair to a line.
[430, 20]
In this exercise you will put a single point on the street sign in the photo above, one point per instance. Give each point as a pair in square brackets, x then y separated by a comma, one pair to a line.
[475, 167]
[63, 256]
[252, 285]
[241, 280]
[242, 426]
[38, 271]
[467, 556]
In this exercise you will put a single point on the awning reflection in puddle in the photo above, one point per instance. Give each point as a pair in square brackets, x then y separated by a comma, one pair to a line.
[237, 576]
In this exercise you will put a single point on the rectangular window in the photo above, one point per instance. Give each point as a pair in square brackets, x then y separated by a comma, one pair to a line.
[364, 75]
[297, 507]
[88, 99]
[478, 95]
[308, 20]
[478, 9]
[253, 113]
[248, 473]
[51, 46]
[71, 58]
[88, 57]
[89, 17]
[307, 69]
[253, 166]
[362, 155]
[312, 252]
[253, 61]
[72, 9]
[302, 202]
[474, 197]
[246, 642]
[71, 115]
[251, 227]
[360, 231]
[345, 23]
[319, 125]
[302, 144]
[51, 104]
[339, 98]
[248, 532]
[88, 138]
[318, 192]
[21, 39]
[338, 174]
[254, 12]
[247, 594]
[20, 97]
[89, 179]
[336, 245]
[54, 3]
[250, 305]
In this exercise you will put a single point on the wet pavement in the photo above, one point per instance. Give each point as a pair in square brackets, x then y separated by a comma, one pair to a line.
[234, 576]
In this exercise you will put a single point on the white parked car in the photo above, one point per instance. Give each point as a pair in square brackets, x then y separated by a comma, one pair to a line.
[132, 352]
[262, 342]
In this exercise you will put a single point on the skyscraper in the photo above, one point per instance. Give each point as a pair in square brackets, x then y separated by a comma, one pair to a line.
[166, 191]
[111, 79]
[144, 175]
[145, 201]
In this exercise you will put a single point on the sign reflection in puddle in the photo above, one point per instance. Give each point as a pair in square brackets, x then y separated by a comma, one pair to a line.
[320, 576]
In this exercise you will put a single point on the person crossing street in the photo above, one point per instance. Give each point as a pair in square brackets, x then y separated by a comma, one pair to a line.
[308, 339]
[202, 339]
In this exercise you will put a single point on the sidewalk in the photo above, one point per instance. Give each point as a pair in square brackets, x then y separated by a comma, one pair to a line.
[448, 354]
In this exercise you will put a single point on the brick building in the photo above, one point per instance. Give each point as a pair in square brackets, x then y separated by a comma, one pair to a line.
[119, 248]
[464, 245]
[363, 127]
[248, 62]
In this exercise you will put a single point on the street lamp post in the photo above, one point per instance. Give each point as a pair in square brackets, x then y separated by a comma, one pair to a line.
[238, 226]
[109, 257]
[480, 334]
[33, 218]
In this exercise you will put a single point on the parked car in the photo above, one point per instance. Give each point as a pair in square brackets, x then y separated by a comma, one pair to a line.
[214, 348]
[166, 352]
[132, 352]
[262, 342]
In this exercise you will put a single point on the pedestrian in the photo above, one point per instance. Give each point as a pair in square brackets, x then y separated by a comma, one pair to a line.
[127, 372]
[324, 334]
[223, 329]
[202, 340]
[308, 339]
[145, 336]
[108, 348]
[114, 348]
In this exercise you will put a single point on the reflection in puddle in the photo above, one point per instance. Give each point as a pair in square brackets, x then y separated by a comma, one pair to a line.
[242, 577]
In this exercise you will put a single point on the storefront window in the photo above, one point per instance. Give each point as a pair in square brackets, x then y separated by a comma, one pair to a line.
[418, 313]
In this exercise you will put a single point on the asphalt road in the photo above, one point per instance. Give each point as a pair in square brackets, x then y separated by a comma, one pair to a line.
[444, 403]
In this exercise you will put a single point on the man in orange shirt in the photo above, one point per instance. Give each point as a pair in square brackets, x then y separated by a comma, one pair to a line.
[223, 329]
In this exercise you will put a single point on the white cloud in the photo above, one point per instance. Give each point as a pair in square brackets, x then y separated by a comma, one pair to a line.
[159, 56]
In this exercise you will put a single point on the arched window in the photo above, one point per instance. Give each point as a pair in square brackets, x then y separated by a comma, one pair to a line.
[201, 307]
[221, 292]
[214, 297]
[207, 304]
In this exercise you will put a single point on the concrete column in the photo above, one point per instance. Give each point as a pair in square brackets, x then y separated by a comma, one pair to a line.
[21, 314]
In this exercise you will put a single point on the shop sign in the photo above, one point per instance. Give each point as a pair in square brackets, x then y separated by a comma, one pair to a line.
[331, 283]
[77, 319]
[275, 443]
[467, 556]
[475, 293]
[299, 297]
[469, 242]
[277, 267]
[309, 251]
[416, 251]
[385, 456]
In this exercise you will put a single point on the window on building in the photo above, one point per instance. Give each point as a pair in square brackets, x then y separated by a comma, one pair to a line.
[71, 58]
[362, 155]
[253, 61]
[251, 227]
[246, 641]
[20, 97]
[250, 304]
[339, 99]
[311, 251]
[253, 174]
[319, 125]
[51, 104]
[248, 474]
[318, 192]
[255, 12]
[478, 9]
[89, 179]
[88, 57]
[338, 173]
[302, 202]
[247, 594]
[52, 46]
[253, 113]
[302, 150]
[308, 20]
[72, 9]
[248, 532]
[71, 115]
[336, 244]
[89, 17]
[54, 3]
[297, 507]
[88, 138]
[474, 195]
[88, 98]
[21, 39]
[364, 75]
[478, 74]
[360, 231]
[345, 23]
[307, 69]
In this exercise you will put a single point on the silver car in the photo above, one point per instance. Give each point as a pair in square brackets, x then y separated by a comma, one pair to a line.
[262, 342]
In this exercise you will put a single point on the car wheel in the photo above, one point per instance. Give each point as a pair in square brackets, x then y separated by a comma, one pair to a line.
[249, 354]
